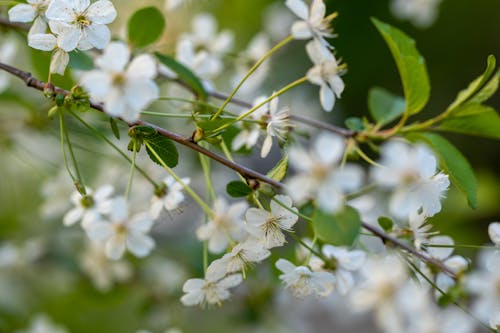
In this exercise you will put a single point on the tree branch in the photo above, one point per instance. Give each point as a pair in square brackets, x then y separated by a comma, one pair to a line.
[13, 25]
[242, 170]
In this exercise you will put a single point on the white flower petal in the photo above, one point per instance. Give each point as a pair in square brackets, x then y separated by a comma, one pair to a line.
[97, 84]
[68, 38]
[494, 232]
[73, 216]
[301, 30]
[98, 35]
[44, 42]
[115, 247]
[326, 97]
[60, 10]
[114, 58]
[299, 8]
[142, 66]
[139, 244]
[139, 93]
[22, 13]
[101, 12]
[59, 62]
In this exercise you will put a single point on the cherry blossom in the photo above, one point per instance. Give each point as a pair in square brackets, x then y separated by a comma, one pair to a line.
[33, 11]
[124, 88]
[89, 208]
[211, 290]
[170, 199]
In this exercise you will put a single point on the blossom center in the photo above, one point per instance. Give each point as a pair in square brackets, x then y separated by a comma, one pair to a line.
[82, 20]
[118, 79]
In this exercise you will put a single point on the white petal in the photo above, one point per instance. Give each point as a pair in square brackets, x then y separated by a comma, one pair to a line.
[301, 30]
[326, 97]
[80, 5]
[99, 231]
[193, 285]
[299, 8]
[141, 222]
[139, 93]
[73, 216]
[60, 10]
[441, 252]
[231, 281]
[97, 84]
[59, 62]
[101, 12]
[255, 217]
[329, 148]
[44, 42]
[22, 13]
[266, 146]
[98, 35]
[119, 210]
[69, 38]
[337, 85]
[318, 10]
[114, 58]
[114, 104]
[314, 76]
[142, 66]
[115, 247]
[139, 244]
[494, 232]
[39, 26]
[330, 199]
[285, 266]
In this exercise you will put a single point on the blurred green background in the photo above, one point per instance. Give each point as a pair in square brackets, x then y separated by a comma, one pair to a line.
[455, 47]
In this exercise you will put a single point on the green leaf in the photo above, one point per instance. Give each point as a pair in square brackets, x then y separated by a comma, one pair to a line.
[184, 73]
[411, 66]
[114, 127]
[341, 228]
[475, 85]
[238, 189]
[164, 148]
[473, 119]
[385, 106]
[486, 91]
[279, 171]
[145, 26]
[385, 223]
[355, 124]
[80, 60]
[453, 163]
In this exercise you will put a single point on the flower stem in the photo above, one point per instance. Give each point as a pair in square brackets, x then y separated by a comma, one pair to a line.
[270, 98]
[251, 71]
[186, 187]
[64, 133]
[109, 142]
[131, 176]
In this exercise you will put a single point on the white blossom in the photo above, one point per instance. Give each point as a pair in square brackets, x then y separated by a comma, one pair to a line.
[8, 50]
[102, 271]
[123, 232]
[78, 23]
[204, 36]
[49, 42]
[313, 23]
[325, 73]
[346, 261]
[33, 11]
[411, 171]
[124, 89]
[200, 62]
[211, 290]
[170, 199]
[278, 123]
[421, 13]
[242, 255]
[267, 226]
[226, 224]
[318, 175]
[302, 282]
[249, 135]
[494, 232]
[484, 284]
[43, 324]
[89, 208]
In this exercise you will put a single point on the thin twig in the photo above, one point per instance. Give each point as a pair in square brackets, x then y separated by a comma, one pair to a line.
[388, 238]
[303, 119]
[13, 25]
[185, 141]
[244, 171]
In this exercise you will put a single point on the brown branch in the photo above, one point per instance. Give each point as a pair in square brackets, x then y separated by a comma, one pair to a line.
[303, 119]
[185, 141]
[13, 25]
[388, 238]
[242, 170]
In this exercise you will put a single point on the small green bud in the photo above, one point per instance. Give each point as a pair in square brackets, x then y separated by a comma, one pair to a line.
[53, 112]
